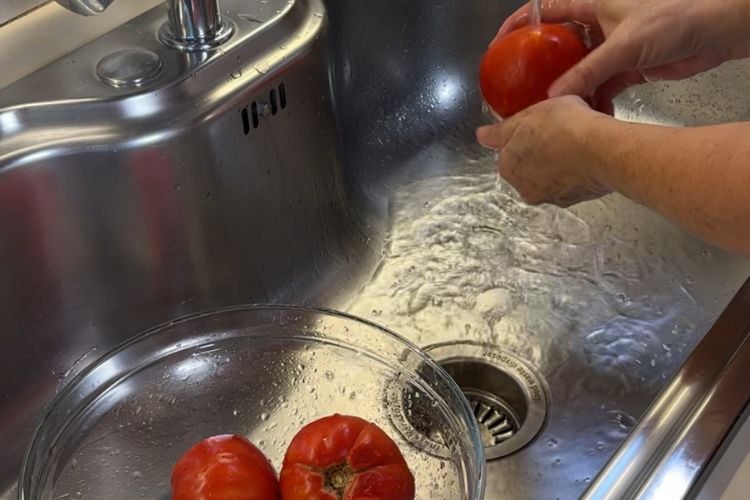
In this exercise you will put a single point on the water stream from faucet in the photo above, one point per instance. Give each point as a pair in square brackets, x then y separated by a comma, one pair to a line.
[535, 16]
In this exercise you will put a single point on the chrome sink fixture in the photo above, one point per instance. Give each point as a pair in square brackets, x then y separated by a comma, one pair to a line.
[193, 25]
[323, 154]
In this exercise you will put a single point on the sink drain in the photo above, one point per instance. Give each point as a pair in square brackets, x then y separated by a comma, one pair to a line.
[496, 421]
[505, 393]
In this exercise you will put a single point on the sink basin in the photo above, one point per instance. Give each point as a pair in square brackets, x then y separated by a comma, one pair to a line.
[324, 155]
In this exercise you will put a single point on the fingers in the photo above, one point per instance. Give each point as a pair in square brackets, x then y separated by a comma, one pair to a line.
[683, 69]
[490, 136]
[496, 136]
[553, 11]
[614, 56]
[604, 96]
[514, 21]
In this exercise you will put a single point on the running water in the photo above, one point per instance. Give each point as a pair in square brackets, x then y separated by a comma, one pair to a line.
[535, 16]
[600, 298]
[467, 259]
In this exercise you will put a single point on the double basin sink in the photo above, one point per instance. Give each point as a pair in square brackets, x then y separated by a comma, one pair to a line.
[324, 155]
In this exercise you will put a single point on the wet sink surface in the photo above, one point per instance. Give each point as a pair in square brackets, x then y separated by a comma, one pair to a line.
[367, 194]
[603, 299]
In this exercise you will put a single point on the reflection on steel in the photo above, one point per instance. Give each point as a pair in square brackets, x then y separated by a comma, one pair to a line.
[193, 24]
[671, 447]
[123, 207]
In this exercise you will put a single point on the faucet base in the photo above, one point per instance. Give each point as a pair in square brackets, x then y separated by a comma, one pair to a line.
[170, 39]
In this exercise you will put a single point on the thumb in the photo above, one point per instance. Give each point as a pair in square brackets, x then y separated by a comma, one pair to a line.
[490, 136]
[497, 136]
[610, 58]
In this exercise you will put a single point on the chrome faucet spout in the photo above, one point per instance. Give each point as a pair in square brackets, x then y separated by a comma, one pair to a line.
[192, 25]
[85, 7]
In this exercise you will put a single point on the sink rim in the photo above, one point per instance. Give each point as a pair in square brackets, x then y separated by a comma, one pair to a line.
[675, 441]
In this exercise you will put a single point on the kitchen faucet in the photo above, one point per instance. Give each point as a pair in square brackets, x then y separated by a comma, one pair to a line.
[193, 24]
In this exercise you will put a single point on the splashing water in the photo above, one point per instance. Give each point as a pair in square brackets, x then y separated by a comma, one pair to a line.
[467, 259]
[589, 295]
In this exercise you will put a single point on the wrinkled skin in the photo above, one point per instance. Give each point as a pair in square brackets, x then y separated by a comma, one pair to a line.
[544, 151]
[225, 467]
[342, 457]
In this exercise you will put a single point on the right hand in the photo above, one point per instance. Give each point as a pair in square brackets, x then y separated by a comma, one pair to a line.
[644, 40]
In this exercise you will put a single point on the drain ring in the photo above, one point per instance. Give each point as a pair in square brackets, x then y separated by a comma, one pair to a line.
[507, 395]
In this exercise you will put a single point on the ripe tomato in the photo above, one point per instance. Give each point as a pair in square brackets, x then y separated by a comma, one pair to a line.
[518, 69]
[224, 467]
[340, 457]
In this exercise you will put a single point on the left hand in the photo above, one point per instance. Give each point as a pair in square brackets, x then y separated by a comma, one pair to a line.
[544, 153]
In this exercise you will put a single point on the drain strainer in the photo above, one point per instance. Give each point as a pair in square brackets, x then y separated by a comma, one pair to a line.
[505, 393]
[497, 423]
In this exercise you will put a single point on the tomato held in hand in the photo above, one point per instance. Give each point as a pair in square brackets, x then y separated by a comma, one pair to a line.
[518, 69]
[340, 457]
[224, 467]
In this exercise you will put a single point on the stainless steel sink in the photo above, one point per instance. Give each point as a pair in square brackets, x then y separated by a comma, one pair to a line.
[325, 155]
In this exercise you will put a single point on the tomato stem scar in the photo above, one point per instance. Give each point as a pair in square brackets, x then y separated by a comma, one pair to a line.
[337, 478]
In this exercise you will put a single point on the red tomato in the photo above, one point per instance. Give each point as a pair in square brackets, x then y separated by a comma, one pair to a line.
[344, 458]
[224, 468]
[518, 69]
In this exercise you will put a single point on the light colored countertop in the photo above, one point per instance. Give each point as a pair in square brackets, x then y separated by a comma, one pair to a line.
[730, 480]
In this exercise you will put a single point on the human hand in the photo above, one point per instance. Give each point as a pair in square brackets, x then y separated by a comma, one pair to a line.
[643, 40]
[543, 152]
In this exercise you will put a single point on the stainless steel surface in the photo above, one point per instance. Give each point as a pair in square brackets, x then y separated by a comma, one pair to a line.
[160, 211]
[193, 24]
[116, 431]
[11, 9]
[86, 7]
[494, 417]
[509, 397]
[68, 30]
[122, 208]
[129, 67]
[676, 440]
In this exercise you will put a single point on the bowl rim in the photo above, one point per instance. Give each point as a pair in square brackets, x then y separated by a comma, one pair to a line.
[25, 481]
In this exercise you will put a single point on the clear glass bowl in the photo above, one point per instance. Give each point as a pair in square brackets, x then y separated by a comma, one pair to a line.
[263, 372]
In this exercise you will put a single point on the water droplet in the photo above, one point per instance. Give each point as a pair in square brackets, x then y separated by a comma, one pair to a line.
[264, 416]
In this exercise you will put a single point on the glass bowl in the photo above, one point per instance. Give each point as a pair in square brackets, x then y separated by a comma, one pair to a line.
[261, 371]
